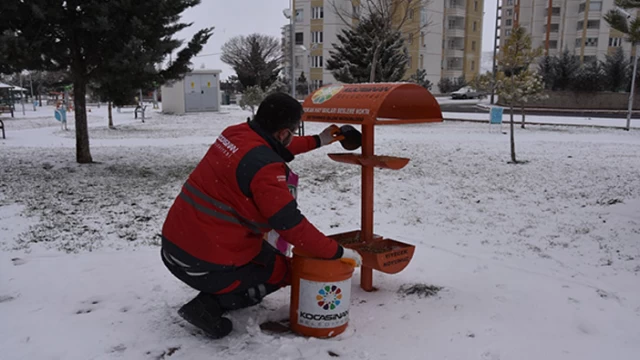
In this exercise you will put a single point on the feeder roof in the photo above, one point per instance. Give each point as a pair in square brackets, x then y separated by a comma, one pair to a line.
[373, 103]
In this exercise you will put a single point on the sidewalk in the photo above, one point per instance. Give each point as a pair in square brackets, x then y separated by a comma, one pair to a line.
[547, 120]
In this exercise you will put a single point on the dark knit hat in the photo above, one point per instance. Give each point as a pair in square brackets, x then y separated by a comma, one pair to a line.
[279, 111]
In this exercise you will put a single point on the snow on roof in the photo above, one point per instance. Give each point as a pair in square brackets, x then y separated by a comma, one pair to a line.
[11, 87]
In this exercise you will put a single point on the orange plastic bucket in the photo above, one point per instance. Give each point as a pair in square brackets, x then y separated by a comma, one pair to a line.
[320, 296]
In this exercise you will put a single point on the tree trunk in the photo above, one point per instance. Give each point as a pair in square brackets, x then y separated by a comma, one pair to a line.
[513, 142]
[83, 154]
[522, 109]
[110, 115]
[374, 63]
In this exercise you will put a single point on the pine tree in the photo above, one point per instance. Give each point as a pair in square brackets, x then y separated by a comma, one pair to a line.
[588, 78]
[445, 85]
[565, 68]
[547, 69]
[352, 58]
[94, 39]
[420, 78]
[617, 70]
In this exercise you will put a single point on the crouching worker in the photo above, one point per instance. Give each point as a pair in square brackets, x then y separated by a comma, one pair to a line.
[212, 238]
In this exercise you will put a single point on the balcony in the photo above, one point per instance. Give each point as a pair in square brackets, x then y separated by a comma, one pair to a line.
[458, 11]
[452, 73]
[456, 31]
[554, 18]
[457, 52]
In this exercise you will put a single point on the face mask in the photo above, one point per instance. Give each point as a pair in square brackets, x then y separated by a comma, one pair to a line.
[287, 143]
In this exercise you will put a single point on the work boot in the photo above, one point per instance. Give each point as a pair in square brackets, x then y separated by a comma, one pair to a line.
[204, 313]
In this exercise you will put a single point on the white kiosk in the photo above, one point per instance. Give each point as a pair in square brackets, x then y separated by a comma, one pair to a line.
[198, 91]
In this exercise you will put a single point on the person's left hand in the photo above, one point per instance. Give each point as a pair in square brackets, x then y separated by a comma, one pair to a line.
[330, 134]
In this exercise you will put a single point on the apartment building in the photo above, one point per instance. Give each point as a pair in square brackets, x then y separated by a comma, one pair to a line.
[577, 25]
[450, 46]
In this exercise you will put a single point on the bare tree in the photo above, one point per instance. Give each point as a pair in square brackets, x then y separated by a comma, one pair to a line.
[396, 16]
[256, 58]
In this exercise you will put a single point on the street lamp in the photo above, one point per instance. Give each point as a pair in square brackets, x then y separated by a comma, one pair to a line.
[631, 18]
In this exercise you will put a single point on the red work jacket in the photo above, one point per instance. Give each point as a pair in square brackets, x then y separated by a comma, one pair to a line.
[236, 194]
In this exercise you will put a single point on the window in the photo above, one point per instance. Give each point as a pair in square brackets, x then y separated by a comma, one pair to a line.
[507, 32]
[317, 84]
[508, 23]
[553, 44]
[422, 38]
[475, 6]
[298, 61]
[554, 28]
[509, 2]
[581, 8]
[454, 64]
[475, 24]
[410, 14]
[421, 61]
[580, 25]
[410, 40]
[555, 11]
[578, 42]
[317, 12]
[509, 12]
[591, 42]
[473, 46]
[593, 24]
[423, 16]
[473, 65]
[452, 24]
[615, 42]
[299, 38]
[299, 15]
[316, 61]
[316, 37]
[595, 6]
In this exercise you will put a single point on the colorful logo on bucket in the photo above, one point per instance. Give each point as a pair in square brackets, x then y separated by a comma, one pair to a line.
[325, 94]
[329, 297]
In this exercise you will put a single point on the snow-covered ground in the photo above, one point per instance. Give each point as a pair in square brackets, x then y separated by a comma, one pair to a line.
[536, 261]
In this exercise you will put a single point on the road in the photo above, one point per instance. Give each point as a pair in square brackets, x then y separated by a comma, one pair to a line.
[471, 106]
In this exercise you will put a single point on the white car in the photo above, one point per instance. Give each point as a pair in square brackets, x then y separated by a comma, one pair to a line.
[466, 92]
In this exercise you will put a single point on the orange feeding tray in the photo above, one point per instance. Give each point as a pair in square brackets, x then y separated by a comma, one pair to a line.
[383, 162]
[369, 105]
[385, 255]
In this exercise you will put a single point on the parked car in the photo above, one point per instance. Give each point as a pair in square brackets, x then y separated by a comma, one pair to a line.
[466, 92]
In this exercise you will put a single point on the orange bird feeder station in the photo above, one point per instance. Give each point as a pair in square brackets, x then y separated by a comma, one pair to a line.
[369, 105]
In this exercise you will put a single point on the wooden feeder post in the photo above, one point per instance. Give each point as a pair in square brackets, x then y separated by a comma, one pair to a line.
[368, 105]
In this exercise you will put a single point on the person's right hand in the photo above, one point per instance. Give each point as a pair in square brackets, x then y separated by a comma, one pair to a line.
[352, 255]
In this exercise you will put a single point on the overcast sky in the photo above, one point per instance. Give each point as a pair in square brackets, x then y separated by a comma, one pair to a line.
[243, 17]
